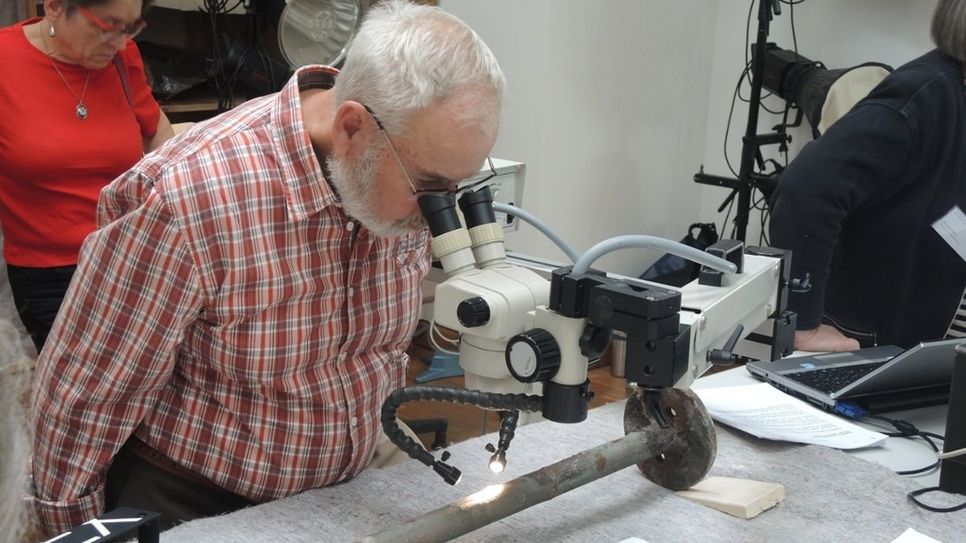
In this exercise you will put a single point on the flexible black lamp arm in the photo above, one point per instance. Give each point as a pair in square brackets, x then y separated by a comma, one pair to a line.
[485, 400]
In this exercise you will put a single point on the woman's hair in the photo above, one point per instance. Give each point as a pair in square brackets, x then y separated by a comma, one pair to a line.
[407, 56]
[949, 28]
[15, 370]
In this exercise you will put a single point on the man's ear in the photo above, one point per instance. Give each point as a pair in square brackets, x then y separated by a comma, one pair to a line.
[351, 125]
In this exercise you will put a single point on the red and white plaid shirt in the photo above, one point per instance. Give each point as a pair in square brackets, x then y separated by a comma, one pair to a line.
[229, 314]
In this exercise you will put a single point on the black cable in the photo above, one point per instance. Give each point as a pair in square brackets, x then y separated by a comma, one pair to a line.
[223, 81]
[724, 223]
[748, 60]
[763, 239]
[760, 203]
[906, 429]
[914, 498]
[751, 8]
[731, 112]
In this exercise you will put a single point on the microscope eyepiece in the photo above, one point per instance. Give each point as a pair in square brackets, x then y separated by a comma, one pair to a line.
[440, 213]
[477, 207]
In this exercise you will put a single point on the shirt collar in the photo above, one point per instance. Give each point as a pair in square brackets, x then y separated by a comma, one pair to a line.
[307, 189]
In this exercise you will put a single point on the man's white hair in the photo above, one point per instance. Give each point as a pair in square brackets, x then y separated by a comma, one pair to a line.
[408, 56]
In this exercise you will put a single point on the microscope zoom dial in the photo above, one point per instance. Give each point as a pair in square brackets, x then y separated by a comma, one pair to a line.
[533, 356]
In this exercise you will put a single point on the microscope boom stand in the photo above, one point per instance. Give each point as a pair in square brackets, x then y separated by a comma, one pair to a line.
[676, 457]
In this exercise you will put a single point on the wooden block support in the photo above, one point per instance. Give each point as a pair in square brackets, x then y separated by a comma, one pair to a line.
[742, 498]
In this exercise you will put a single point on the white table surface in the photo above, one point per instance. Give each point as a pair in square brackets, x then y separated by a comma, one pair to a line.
[897, 454]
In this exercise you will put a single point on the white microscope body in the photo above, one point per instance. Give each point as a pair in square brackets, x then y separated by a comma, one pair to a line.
[522, 334]
[487, 301]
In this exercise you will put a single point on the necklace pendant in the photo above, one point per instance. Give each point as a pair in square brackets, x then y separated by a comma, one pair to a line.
[81, 111]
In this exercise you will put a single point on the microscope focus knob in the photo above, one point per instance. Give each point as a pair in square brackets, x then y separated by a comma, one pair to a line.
[533, 356]
[473, 312]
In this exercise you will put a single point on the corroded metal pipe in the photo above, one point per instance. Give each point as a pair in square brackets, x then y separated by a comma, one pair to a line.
[661, 450]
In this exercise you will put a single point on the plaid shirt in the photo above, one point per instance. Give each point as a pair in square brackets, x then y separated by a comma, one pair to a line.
[230, 315]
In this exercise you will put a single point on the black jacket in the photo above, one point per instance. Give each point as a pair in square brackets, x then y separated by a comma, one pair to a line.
[856, 208]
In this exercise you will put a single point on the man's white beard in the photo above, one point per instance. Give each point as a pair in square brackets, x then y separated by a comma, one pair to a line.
[356, 184]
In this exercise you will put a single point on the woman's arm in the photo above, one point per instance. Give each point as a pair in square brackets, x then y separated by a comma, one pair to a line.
[163, 134]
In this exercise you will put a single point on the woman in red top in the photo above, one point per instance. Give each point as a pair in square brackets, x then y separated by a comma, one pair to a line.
[75, 112]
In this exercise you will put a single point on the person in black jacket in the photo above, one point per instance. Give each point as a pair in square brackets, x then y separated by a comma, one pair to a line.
[857, 207]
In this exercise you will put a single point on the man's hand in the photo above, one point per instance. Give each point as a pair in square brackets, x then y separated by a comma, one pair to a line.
[825, 338]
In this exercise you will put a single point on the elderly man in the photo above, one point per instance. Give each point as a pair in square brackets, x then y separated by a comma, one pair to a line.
[236, 322]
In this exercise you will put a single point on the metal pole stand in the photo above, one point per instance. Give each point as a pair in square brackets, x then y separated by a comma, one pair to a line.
[675, 457]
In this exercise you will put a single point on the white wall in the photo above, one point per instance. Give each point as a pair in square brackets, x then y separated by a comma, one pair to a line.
[610, 128]
[615, 104]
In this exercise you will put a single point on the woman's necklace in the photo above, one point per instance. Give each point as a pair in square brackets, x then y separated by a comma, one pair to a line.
[81, 109]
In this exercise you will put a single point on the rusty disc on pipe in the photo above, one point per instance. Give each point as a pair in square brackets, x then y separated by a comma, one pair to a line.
[689, 443]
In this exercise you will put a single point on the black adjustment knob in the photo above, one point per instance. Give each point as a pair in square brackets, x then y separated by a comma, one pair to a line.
[594, 341]
[533, 356]
[473, 312]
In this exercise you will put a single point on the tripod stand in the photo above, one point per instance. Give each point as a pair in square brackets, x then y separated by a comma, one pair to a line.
[748, 178]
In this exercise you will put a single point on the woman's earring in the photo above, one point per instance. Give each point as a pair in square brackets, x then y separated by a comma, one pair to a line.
[51, 32]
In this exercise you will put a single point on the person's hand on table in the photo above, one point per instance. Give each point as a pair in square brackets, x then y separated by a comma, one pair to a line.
[825, 338]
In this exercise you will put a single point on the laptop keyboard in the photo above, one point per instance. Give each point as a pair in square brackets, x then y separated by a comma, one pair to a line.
[833, 379]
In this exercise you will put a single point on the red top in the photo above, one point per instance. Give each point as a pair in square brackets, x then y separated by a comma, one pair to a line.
[52, 164]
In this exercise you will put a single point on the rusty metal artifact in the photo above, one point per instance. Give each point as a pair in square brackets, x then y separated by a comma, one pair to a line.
[675, 457]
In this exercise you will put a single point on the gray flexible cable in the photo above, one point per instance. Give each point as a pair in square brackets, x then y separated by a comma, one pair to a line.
[645, 242]
[539, 225]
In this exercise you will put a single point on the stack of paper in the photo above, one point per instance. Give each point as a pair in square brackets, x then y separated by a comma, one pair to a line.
[766, 412]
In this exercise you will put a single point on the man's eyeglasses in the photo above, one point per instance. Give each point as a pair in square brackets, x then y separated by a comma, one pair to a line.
[110, 31]
[450, 191]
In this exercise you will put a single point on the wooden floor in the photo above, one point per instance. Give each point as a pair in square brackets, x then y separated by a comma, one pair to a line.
[465, 421]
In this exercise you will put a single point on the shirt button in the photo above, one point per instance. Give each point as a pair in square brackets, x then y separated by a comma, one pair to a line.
[352, 292]
[350, 226]
[354, 422]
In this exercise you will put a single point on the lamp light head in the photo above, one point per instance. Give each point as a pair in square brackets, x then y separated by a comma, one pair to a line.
[498, 462]
[823, 95]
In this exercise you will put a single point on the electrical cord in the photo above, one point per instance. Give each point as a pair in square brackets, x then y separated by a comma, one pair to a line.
[951, 454]
[906, 429]
[439, 348]
[791, 19]
[731, 111]
[217, 11]
[914, 498]
[724, 224]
